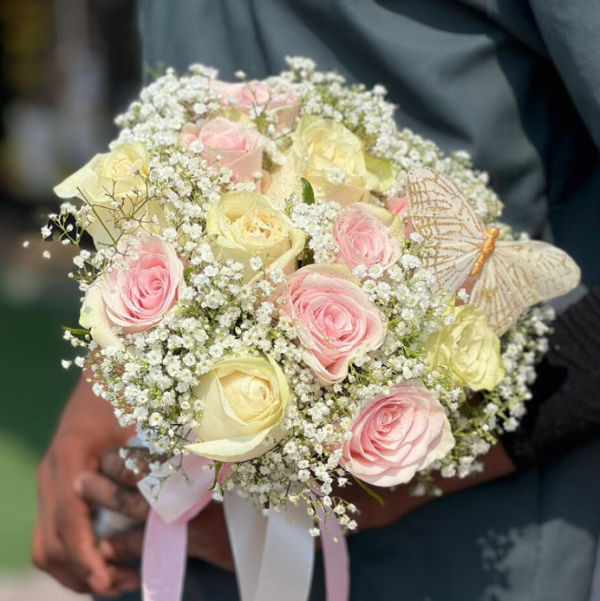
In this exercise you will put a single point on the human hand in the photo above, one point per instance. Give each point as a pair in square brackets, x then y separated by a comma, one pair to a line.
[115, 488]
[64, 542]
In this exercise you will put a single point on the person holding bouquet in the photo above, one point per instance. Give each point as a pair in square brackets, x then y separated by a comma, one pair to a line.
[81, 471]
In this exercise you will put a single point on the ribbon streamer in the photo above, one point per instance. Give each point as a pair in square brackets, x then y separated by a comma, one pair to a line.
[336, 559]
[273, 554]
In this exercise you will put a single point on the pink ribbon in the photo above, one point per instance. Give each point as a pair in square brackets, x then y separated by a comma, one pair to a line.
[273, 555]
[335, 558]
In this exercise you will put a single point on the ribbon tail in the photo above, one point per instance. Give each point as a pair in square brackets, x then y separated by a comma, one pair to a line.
[247, 533]
[288, 558]
[164, 559]
[336, 560]
[274, 556]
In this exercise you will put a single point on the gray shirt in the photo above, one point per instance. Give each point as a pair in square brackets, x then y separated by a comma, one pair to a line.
[514, 82]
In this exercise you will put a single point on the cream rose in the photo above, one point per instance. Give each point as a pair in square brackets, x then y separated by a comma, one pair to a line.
[470, 350]
[245, 399]
[121, 174]
[245, 225]
[332, 158]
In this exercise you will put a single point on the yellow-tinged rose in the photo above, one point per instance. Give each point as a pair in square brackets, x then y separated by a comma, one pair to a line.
[326, 152]
[94, 318]
[114, 176]
[245, 399]
[469, 349]
[245, 225]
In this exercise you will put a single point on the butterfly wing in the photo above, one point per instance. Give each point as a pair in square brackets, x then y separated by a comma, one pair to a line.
[519, 275]
[442, 214]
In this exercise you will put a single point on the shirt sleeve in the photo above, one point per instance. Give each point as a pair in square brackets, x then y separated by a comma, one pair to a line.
[565, 410]
[569, 29]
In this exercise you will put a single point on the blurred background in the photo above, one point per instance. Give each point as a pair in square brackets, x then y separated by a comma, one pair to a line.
[67, 68]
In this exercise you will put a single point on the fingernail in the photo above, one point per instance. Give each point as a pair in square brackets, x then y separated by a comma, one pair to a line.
[107, 549]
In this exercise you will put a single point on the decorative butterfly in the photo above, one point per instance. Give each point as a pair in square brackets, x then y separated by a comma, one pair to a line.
[511, 275]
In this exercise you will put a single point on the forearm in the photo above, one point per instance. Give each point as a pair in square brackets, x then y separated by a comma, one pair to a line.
[399, 502]
[85, 408]
[565, 410]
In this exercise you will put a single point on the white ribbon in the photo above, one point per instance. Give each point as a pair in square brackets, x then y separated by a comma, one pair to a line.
[273, 555]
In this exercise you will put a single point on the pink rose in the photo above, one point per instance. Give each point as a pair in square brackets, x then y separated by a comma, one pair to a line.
[273, 97]
[399, 206]
[367, 235]
[397, 435]
[239, 146]
[335, 320]
[136, 297]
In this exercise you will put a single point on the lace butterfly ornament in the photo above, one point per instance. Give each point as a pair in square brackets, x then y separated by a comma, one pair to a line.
[511, 275]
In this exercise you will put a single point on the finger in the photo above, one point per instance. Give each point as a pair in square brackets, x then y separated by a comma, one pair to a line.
[123, 547]
[47, 562]
[99, 490]
[125, 579]
[113, 466]
[75, 530]
[48, 551]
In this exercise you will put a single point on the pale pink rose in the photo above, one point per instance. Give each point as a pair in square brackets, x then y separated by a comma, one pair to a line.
[272, 97]
[137, 297]
[399, 206]
[239, 147]
[335, 320]
[364, 234]
[397, 435]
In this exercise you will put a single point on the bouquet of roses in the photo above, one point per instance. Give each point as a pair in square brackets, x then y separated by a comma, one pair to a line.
[289, 296]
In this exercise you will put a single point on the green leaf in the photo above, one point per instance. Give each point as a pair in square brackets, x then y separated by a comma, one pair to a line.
[370, 491]
[308, 194]
[76, 331]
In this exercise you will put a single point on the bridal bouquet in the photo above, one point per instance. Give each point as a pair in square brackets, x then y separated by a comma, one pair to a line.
[299, 295]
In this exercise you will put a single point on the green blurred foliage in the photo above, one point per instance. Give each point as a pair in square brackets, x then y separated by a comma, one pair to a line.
[34, 389]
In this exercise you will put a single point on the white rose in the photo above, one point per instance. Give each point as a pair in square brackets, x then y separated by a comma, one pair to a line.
[244, 225]
[321, 147]
[114, 176]
[245, 399]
